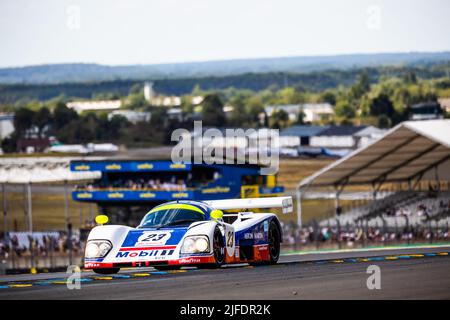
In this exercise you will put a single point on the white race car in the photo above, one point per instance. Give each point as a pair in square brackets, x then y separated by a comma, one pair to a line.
[195, 233]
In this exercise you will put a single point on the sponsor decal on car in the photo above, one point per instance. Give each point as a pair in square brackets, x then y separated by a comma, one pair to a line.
[97, 265]
[193, 260]
[190, 260]
[248, 235]
[258, 235]
[145, 254]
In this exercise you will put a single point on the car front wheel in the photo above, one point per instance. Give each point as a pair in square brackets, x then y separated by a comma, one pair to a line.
[218, 250]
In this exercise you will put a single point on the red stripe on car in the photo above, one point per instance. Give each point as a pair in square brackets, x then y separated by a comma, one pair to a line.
[148, 248]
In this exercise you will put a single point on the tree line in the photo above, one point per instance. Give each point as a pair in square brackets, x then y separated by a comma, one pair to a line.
[382, 102]
[311, 81]
[68, 127]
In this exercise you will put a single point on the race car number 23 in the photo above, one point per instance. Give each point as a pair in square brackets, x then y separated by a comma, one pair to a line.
[153, 237]
[150, 238]
[230, 239]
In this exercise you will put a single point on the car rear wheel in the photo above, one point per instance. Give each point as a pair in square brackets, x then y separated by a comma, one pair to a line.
[274, 238]
[218, 250]
[274, 245]
[106, 270]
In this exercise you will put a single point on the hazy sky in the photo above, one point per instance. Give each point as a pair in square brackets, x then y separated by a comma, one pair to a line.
[148, 31]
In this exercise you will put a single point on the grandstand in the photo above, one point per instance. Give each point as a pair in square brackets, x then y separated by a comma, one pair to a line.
[400, 209]
[127, 189]
[412, 161]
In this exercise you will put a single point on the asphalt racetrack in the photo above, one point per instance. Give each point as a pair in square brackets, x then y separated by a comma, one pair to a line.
[416, 273]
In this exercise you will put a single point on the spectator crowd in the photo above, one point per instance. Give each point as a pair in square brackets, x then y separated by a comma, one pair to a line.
[359, 236]
[40, 244]
[171, 184]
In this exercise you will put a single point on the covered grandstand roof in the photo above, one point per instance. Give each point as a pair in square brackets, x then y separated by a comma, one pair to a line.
[409, 150]
[40, 170]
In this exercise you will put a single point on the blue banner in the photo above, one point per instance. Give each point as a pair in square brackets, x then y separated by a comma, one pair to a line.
[128, 166]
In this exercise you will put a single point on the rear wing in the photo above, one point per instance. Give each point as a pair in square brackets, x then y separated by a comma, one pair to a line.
[285, 203]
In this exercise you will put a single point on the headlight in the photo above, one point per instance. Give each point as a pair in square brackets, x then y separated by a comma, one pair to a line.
[201, 245]
[195, 244]
[97, 248]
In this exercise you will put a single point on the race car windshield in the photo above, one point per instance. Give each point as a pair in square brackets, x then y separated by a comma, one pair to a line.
[171, 217]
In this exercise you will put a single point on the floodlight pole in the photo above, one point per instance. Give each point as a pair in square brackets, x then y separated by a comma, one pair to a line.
[66, 206]
[300, 193]
[436, 177]
[30, 208]
[5, 222]
[338, 190]
[336, 200]
[299, 207]
[91, 213]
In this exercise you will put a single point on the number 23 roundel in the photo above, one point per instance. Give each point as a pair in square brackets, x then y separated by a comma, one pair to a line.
[229, 240]
[153, 238]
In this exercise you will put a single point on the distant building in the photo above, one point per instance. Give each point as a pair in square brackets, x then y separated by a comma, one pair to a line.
[368, 135]
[312, 112]
[160, 100]
[172, 101]
[228, 111]
[132, 116]
[148, 91]
[6, 125]
[425, 111]
[32, 145]
[175, 114]
[166, 101]
[101, 105]
[197, 100]
[445, 104]
[299, 135]
[293, 110]
[84, 149]
[338, 137]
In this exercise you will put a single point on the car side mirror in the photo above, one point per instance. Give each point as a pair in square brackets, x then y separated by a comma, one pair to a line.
[101, 219]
